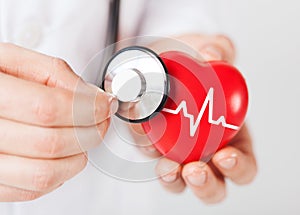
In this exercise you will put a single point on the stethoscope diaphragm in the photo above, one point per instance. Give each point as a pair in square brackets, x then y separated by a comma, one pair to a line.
[138, 78]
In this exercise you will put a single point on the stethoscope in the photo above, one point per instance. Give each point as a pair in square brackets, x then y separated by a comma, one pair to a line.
[135, 75]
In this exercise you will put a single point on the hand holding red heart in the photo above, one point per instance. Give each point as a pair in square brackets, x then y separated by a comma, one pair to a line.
[236, 161]
[44, 109]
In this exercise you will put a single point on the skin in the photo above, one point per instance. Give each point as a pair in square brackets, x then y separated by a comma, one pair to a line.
[235, 162]
[39, 128]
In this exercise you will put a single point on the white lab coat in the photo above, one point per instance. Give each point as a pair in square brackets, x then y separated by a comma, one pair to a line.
[75, 31]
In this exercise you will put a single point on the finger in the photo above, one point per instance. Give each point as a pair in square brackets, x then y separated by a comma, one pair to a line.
[169, 173]
[36, 67]
[218, 47]
[211, 47]
[237, 161]
[41, 142]
[203, 182]
[139, 135]
[13, 194]
[40, 105]
[142, 141]
[39, 175]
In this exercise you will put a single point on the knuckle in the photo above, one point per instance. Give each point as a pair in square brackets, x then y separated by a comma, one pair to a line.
[247, 176]
[80, 164]
[213, 193]
[214, 197]
[226, 40]
[166, 166]
[51, 144]
[46, 110]
[227, 46]
[59, 64]
[221, 197]
[44, 177]
[83, 161]
[102, 128]
[101, 109]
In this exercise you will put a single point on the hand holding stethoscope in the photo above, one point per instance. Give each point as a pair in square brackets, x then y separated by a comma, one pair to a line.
[236, 161]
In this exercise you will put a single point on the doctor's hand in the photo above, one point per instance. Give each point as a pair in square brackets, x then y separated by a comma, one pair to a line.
[235, 162]
[49, 118]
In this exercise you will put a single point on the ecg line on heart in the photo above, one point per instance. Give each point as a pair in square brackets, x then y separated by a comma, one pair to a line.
[209, 100]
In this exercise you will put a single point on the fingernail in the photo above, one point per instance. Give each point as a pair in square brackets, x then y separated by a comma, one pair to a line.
[169, 178]
[227, 163]
[102, 91]
[150, 149]
[210, 53]
[114, 105]
[197, 178]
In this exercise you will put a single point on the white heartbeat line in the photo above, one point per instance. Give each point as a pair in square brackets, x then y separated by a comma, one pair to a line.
[209, 100]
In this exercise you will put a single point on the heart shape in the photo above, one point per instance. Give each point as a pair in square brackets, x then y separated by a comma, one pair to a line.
[206, 106]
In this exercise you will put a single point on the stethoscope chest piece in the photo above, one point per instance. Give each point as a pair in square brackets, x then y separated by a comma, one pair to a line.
[138, 78]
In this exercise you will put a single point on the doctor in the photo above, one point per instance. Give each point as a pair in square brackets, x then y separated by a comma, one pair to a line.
[43, 45]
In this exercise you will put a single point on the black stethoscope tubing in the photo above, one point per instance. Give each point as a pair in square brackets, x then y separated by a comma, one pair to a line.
[112, 32]
[113, 22]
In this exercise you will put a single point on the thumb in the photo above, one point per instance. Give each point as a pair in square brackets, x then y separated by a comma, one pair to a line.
[217, 47]
[211, 47]
[211, 53]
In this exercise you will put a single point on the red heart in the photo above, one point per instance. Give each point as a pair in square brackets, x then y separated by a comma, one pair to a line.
[216, 88]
